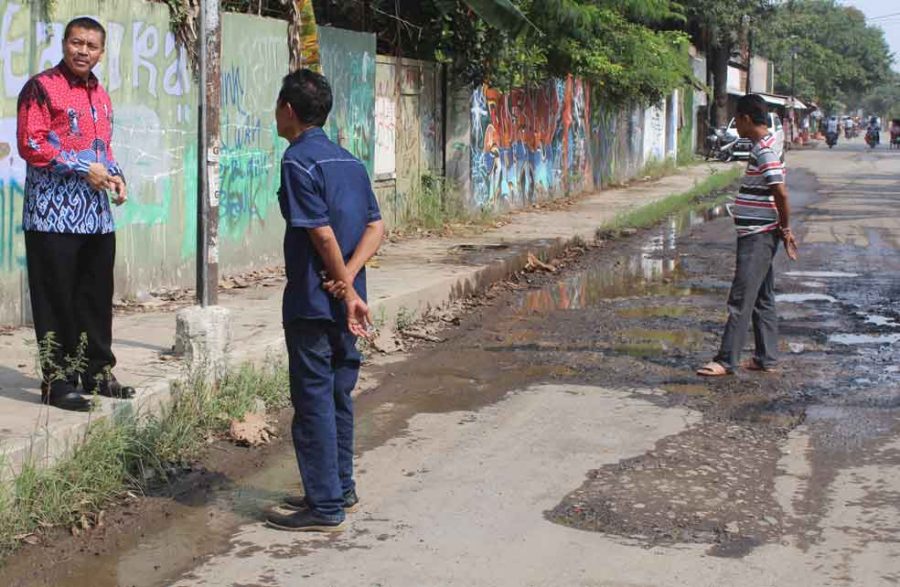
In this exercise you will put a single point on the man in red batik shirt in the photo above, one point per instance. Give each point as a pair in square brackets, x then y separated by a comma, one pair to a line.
[65, 121]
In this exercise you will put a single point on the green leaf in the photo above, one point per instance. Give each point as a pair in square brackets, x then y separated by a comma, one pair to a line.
[501, 14]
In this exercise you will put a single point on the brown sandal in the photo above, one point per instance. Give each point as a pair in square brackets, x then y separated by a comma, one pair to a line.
[713, 369]
[755, 365]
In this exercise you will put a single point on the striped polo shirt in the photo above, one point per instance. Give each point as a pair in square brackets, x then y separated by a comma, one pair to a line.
[754, 208]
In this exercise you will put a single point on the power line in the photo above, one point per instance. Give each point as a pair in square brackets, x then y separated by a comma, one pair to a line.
[884, 16]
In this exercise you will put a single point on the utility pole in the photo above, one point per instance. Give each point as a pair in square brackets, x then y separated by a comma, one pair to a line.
[749, 88]
[208, 144]
[793, 76]
[203, 332]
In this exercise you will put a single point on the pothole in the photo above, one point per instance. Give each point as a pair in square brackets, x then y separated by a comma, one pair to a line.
[712, 484]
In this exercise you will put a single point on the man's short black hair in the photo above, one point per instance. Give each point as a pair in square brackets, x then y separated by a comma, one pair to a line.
[84, 22]
[309, 95]
[754, 106]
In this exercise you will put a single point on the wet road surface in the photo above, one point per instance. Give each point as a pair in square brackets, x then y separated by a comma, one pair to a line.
[559, 436]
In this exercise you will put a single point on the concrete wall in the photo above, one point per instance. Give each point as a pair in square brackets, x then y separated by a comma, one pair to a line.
[617, 144]
[655, 132]
[409, 134]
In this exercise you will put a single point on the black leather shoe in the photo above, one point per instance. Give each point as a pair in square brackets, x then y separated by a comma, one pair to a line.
[297, 503]
[303, 521]
[63, 395]
[106, 386]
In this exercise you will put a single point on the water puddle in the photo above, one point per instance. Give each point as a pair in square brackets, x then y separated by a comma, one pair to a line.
[878, 320]
[860, 339]
[687, 389]
[645, 312]
[801, 298]
[821, 274]
[654, 271]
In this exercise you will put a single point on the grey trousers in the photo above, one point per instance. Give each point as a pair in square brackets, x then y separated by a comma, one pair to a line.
[752, 297]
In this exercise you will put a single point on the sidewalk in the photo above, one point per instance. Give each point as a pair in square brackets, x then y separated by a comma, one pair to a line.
[412, 275]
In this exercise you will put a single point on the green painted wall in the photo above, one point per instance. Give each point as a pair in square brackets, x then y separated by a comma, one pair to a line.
[155, 102]
[155, 109]
[254, 60]
[348, 61]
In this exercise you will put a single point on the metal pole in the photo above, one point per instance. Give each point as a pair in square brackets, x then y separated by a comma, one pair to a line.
[749, 88]
[793, 71]
[208, 142]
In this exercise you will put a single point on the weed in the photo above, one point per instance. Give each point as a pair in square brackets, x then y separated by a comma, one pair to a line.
[578, 242]
[652, 213]
[435, 203]
[405, 318]
[128, 451]
[658, 168]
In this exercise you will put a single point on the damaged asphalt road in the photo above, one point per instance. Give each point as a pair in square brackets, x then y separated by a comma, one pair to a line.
[559, 436]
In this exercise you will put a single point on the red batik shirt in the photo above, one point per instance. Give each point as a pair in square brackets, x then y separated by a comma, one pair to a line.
[64, 125]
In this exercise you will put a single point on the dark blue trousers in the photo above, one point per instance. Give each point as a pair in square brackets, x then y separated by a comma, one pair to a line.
[324, 366]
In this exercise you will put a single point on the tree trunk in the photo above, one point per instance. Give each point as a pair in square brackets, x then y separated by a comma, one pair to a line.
[719, 64]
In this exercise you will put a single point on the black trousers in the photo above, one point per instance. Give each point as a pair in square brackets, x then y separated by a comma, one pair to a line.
[71, 282]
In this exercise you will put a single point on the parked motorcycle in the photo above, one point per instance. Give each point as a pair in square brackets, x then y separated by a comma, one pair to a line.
[832, 139]
[720, 146]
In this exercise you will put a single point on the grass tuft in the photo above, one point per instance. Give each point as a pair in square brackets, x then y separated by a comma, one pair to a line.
[133, 452]
[650, 214]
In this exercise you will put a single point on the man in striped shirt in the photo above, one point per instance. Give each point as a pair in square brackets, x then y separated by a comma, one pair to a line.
[762, 218]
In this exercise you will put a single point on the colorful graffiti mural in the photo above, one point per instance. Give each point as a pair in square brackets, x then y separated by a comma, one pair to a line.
[348, 61]
[530, 144]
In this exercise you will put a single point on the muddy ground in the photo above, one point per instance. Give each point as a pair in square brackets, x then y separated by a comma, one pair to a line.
[636, 315]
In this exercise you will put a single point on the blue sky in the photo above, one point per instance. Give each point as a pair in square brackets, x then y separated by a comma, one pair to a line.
[890, 26]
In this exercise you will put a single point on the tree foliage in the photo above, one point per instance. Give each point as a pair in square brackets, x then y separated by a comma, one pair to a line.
[839, 58]
[617, 45]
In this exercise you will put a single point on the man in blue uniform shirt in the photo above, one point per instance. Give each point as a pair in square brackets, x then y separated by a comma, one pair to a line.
[333, 227]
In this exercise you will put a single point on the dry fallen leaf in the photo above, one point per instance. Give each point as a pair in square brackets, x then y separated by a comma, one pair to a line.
[253, 430]
[534, 264]
[31, 538]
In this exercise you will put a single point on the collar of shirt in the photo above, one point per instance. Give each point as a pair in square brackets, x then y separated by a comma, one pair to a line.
[76, 80]
[309, 133]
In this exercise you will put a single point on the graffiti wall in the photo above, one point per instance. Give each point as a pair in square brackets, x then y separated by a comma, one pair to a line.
[147, 77]
[154, 98]
[348, 61]
[528, 145]
[254, 60]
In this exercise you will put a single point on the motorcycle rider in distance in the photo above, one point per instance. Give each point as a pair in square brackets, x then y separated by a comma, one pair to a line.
[831, 131]
[848, 128]
[873, 132]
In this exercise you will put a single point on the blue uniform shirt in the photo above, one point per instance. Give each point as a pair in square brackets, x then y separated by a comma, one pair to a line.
[321, 185]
